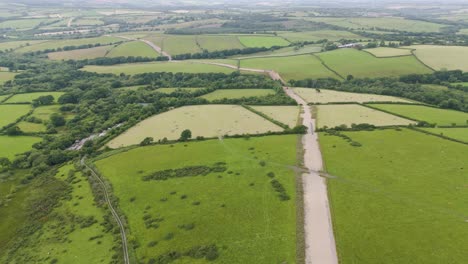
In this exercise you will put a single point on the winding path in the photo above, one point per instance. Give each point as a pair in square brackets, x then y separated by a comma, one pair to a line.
[114, 213]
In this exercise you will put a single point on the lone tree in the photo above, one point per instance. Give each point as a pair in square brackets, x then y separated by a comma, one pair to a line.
[185, 135]
[147, 141]
[13, 131]
[57, 120]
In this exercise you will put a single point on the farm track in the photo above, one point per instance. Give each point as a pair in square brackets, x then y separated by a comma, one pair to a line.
[114, 213]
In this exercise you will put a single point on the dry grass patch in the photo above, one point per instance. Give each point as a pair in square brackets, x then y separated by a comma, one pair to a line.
[311, 95]
[80, 54]
[382, 52]
[288, 115]
[443, 57]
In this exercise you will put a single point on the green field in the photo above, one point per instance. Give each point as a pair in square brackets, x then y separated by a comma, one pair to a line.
[455, 133]
[17, 44]
[28, 127]
[323, 96]
[175, 45]
[10, 113]
[262, 41]
[202, 120]
[6, 76]
[461, 83]
[237, 93]
[236, 210]
[54, 44]
[288, 115]
[383, 52]
[441, 117]
[62, 237]
[287, 51]
[3, 97]
[10, 146]
[133, 48]
[182, 89]
[81, 54]
[136, 68]
[213, 42]
[22, 24]
[29, 97]
[443, 57]
[400, 198]
[362, 64]
[331, 35]
[348, 114]
[388, 23]
[87, 22]
[294, 67]
[44, 112]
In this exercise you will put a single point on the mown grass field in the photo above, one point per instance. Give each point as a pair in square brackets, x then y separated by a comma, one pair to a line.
[10, 146]
[294, 67]
[136, 68]
[236, 93]
[29, 97]
[389, 23]
[10, 113]
[441, 117]
[443, 57]
[81, 54]
[175, 45]
[214, 42]
[262, 41]
[455, 133]
[383, 52]
[362, 64]
[288, 115]
[6, 76]
[133, 48]
[202, 120]
[65, 240]
[311, 95]
[17, 44]
[215, 209]
[287, 51]
[54, 44]
[331, 35]
[401, 197]
[183, 89]
[348, 114]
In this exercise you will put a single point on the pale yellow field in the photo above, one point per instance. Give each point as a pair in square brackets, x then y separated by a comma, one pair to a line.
[285, 114]
[81, 54]
[336, 115]
[443, 57]
[202, 120]
[330, 96]
[382, 52]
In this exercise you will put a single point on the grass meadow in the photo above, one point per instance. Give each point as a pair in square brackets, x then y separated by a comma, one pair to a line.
[443, 57]
[262, 41]
[215, 42]
[202, 120]
[459, 133]
[382, 52]
[54, 44]
[182, 89]
[287, 51]
[18, 44]
[236, 93]
[237, 210]
[331, 35]
[294, 67]
[28, 127]
[288, 115]
[10, 146]
[311, 95]
[441, 117]
[23, 24]
[6, 76]
[401, 197]
[348, 114]
[136, 68]
[362, 64]
[81, 54]
[133, 48]
[10, 113]
[29, 97]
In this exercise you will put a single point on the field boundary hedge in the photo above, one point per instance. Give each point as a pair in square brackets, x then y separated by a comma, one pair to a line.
[328, 67]
[274, 121]
[418, 59]
[391, 113]
[438, 135]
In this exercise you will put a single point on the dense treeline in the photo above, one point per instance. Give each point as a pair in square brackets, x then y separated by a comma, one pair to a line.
[115, 60]
[405, 86]
[447, 78]
[72, 47]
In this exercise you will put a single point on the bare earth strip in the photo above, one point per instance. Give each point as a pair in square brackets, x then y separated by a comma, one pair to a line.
[319, 238]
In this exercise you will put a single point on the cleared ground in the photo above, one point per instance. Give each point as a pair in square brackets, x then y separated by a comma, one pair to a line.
[262, 41]
[382, 52]
[202, 120]
[456, 133]
[441, 117]
[323, 96]
[443, 57]
[399, 198]
[294, 67]
[10, 146]
[216, 209]
[331, 35]
[133, 48]
[336, 115]
[80, 54]
[362, 64]
[10, 113]
[136, 68]
[236, 93]
[285, 114]
[29, 97]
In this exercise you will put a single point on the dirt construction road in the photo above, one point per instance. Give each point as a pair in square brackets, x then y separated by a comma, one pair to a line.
[319, 238]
